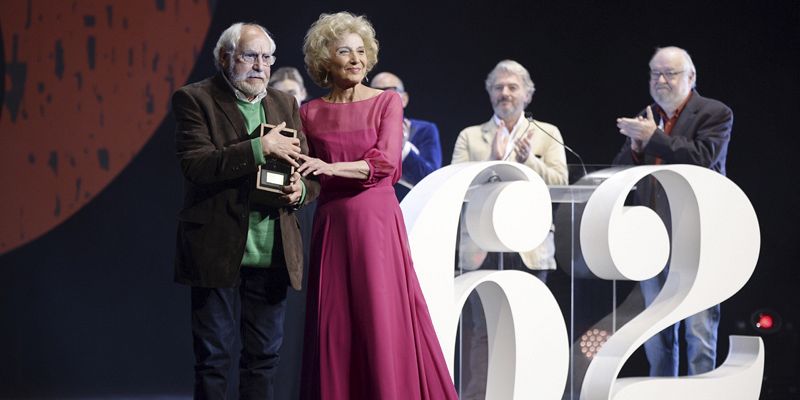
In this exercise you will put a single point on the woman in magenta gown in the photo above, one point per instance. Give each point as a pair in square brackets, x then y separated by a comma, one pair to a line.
[368, 331]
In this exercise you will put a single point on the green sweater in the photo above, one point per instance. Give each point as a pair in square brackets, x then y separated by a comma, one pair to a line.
[260, 242]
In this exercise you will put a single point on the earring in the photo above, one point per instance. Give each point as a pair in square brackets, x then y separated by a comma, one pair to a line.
[325, 79]
[366, 78]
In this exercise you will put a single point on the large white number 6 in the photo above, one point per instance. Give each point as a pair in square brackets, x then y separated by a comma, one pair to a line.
[528, 348]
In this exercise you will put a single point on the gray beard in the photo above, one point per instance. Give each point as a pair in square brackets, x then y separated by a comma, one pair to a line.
[505, 114]
[248, 89]
[240, 83]
[668, 101]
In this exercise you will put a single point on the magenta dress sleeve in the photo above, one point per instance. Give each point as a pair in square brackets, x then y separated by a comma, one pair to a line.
[385, 158]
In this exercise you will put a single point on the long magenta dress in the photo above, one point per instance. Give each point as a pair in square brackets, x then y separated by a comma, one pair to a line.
[368, 332]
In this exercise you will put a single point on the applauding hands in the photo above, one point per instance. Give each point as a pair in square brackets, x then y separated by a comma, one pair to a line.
[639, 129]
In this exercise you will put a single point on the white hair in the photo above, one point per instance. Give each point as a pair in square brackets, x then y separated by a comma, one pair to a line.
[514, 68]
[226, 44]
[687, 59]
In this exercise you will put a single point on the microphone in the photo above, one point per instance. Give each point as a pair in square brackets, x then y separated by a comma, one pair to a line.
[529, 118]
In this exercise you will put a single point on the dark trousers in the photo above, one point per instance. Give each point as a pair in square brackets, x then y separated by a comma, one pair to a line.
[261, 297]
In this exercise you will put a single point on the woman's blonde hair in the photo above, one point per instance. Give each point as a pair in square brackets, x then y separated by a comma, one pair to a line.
[327, 30]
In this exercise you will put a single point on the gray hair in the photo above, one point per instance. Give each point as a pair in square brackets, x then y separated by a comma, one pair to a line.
[687, 59]
[283, 73]
[226, 44]
[514, 68]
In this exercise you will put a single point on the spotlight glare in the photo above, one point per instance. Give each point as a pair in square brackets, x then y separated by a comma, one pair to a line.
[591, 342]
[766, 321]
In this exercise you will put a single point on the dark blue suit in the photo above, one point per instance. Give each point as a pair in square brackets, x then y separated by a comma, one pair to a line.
[424, 136]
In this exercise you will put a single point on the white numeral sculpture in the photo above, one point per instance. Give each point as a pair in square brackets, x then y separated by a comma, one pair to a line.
[528, 347]
[714, 252]
[715, 244]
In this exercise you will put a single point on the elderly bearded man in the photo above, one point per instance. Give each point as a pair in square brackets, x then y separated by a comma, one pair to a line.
[682, 127]
[233, 246]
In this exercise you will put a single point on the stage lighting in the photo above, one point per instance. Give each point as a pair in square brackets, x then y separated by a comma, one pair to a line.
[766, 321]
[592, 341]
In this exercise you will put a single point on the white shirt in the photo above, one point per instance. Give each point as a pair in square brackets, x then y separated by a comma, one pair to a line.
[514, 133]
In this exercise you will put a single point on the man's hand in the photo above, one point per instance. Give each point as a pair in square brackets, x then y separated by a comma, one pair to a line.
[499, 142]
[278, 146]
[406, 130]
[636, 146]
[523, 147]
[638, 129]
[293, 191]
[314, 166]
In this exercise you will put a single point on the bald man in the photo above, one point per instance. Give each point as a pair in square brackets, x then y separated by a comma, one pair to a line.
[681, 127]
[422, 152]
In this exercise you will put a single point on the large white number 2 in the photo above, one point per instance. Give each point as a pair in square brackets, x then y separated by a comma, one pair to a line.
[715, 247]
[714, 251]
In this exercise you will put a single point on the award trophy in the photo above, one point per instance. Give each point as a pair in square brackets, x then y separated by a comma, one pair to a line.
[275, 173]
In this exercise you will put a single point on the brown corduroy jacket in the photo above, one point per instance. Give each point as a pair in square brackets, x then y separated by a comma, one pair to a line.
[219, 171]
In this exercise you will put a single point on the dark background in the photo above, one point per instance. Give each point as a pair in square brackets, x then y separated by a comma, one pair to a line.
[90, 309]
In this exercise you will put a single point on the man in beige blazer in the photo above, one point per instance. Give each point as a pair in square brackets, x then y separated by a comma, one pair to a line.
[510, 136]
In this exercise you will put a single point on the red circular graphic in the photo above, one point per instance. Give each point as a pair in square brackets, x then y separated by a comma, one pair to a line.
[86, 84]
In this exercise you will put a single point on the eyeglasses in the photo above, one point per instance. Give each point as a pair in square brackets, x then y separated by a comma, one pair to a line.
[252, 58]
[668, 75]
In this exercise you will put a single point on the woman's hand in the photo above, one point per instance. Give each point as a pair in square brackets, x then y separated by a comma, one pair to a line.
[311, 165]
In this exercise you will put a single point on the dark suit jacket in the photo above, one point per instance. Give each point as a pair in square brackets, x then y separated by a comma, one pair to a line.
[219, 171]
[699, 137]
[424, 136]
